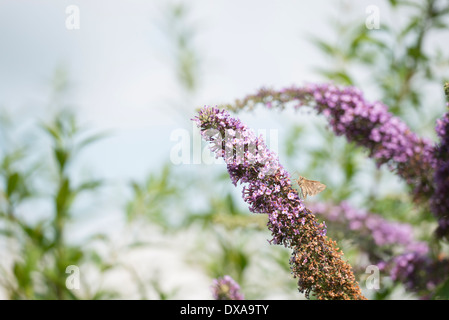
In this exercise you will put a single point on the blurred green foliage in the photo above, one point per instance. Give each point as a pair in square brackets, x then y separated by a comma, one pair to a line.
[392, 60]
[38, 243]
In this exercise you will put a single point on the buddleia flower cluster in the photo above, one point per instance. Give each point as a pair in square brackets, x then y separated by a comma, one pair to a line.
[226, 288]
[316, 261]
[423, 165]
[389, 245]
[368, 225]
[440, 198]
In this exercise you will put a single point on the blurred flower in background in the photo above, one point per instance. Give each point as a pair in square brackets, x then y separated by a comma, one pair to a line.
[226, 289]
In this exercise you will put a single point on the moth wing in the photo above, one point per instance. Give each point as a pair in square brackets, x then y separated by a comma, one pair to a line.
[314, 187]
[319, 186]
[306, 190]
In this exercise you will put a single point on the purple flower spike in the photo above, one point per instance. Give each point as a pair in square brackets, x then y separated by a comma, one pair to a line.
[368, 124]
[440, 199]
[226, 288]
[316, 260]
[423, 165]
[412, 263]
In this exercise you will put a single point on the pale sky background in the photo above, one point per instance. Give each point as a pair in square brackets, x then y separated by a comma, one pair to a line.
[123, 76]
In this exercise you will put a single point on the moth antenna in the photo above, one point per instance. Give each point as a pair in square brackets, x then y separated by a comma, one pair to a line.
[297, 173]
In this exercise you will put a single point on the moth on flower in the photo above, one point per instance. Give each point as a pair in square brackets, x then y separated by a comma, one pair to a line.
[309, 187]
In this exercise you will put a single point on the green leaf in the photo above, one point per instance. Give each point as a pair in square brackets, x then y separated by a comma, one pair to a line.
[62, 157]
[54, 132]
[325, 47]
[13, 181]
[442, 291]
[64, 197]
[35, 233]
[20, 274]
[91, 139]
[393, 3]
[74, 256]
[362, 40]
[89, 185]
[413, 24]
[338, 76]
